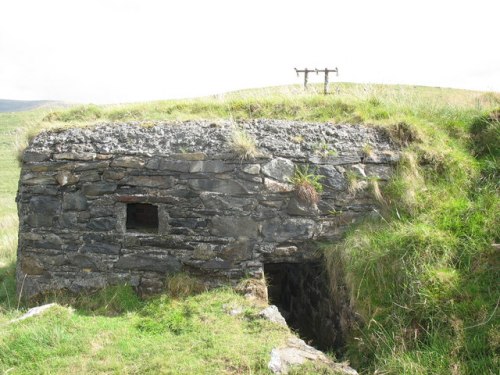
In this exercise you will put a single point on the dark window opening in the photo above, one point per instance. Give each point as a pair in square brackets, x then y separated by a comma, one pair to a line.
[301, 293]
[142, 217]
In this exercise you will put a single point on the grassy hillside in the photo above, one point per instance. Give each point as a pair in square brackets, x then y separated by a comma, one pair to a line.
[423, 277]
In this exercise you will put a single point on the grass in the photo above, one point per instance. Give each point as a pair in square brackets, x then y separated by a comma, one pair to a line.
[423, 277]
[243, 144]
[307, 184]
[163, 335]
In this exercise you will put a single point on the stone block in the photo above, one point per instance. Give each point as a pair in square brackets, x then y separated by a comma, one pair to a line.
[280, 169]
[128, 162]
[210, 166]
[102, 224]
[278, 187]
[99, 188]
[100, 247]
[253, 169]
[38, 179]
[281, 230]
[298, 208]
[43, 211]
[149, 262]
[74, 201]
[218, 186]
[35, 157]
[234, 226]
[164, 182]
[75, 156]
[66, 178]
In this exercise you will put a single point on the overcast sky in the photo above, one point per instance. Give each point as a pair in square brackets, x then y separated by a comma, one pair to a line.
[108, 51]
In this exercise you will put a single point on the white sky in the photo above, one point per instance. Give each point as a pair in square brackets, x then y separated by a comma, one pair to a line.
[107, 51]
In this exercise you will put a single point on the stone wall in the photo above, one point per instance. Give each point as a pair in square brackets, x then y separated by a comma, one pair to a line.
[219, 216]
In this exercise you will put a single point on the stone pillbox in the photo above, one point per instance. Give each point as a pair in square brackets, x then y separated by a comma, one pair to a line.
[121, 203]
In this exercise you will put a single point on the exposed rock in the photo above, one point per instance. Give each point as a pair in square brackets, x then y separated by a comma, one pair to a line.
[35, 311]
[66, 178]
[128, 162]
[280, 169]
[296, 352]
[252, 169]
[277, 187]
[272, 314]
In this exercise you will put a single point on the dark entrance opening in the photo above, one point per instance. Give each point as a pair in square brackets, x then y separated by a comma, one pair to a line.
[301, 293]
[142, 217]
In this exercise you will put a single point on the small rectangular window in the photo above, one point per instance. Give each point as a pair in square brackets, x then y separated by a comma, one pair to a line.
[142, 218]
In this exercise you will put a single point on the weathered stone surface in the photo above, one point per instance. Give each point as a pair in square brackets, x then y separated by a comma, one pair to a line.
[35, 311]
[218, 186]
[272, 314]
[219, 201]
[234, 226]
[296, 352]
[99, 188]
[278, 230]
[216, 215]
[253, 169]
[211, 166]
[102, 224]
[31, 266]
[298, 208]
[75, 156]
[101, 248]
[280, 169]
[189, 156]
[113, 175]
[74, 201]
[66, 178]
[34, 157]
[43, 211]
[32, 179]
[333, 178]
[149, 262]
[128, 162]
[163, 182]
[278, 187]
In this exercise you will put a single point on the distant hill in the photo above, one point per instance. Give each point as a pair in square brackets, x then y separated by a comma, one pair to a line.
[7, 105]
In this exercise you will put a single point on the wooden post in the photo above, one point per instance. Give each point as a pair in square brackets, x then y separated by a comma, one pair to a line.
[325, 72]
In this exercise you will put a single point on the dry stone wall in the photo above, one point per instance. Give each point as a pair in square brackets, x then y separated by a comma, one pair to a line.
[124, 203]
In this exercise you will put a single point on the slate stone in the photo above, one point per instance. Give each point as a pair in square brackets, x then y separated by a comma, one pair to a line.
[66, 178]
[74, 201]
[252, 169]
[280, 169]
[234, 226]
[210, 166]
[333, 178]
[102, 224]
[99, 188]
[147, 262]
[163, 182]
[34, 157]
[219, 186]
[277, 230]
[75, 156]
[82, 261]
[101, 248]
[34, 179]
[32, 266]
[43, 211]
[298, 208]
[128, 162]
